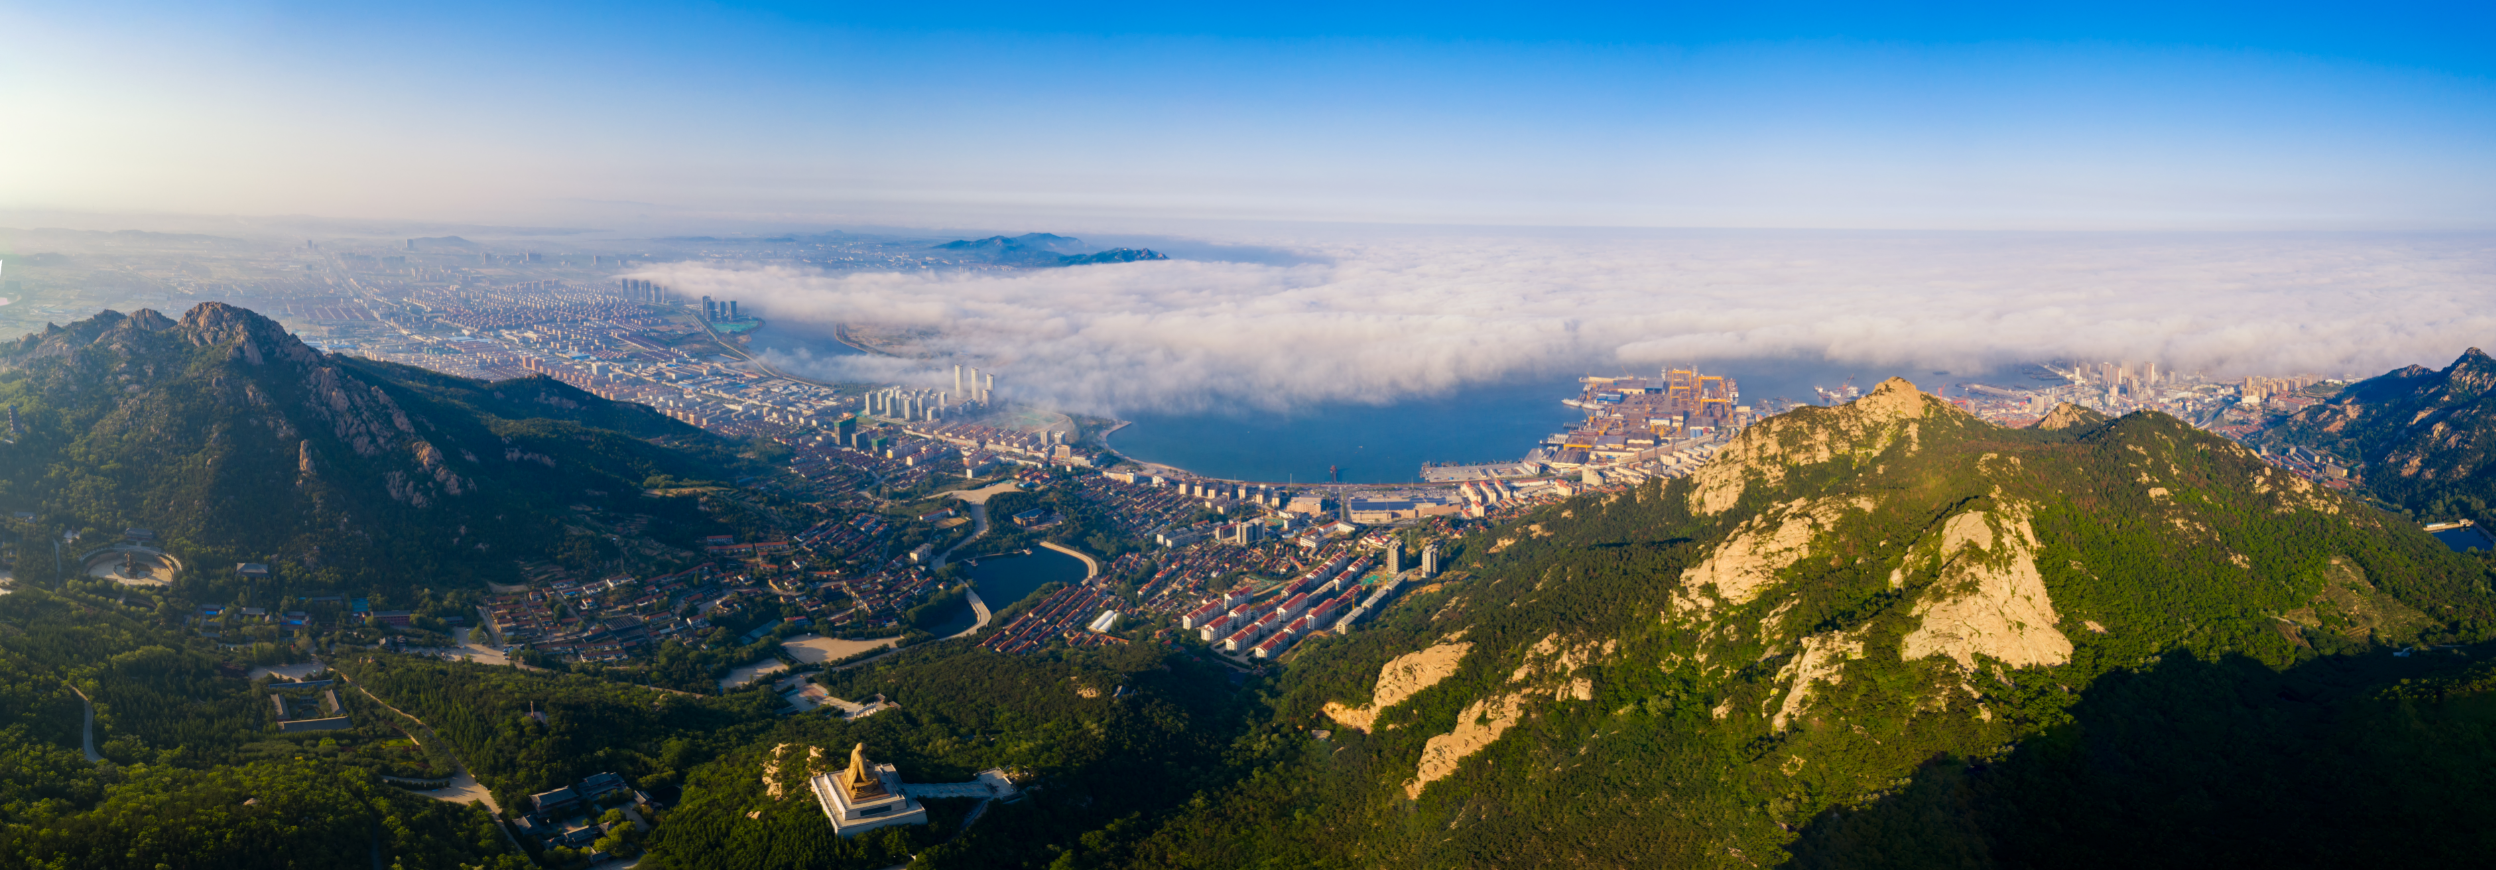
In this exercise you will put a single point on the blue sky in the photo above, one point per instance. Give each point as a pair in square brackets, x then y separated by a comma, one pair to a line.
[1961, 116]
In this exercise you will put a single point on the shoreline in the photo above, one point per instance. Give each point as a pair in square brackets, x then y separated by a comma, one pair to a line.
[840, 333]
[1164, 468]
[1387, 444]
[1167, 469]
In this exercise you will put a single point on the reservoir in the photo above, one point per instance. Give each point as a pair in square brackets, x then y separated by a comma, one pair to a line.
[1003, 580]
[797, 339]
[2464, 539]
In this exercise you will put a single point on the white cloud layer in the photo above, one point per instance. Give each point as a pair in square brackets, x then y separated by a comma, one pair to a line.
[1383, 318]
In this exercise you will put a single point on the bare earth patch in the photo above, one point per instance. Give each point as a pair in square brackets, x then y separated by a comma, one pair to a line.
[813, 649]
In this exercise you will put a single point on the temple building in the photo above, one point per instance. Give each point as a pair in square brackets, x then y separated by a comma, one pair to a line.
[865, 796]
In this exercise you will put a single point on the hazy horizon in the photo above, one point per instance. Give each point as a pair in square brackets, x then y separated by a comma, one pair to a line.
[1131, 118]
[1361, 203]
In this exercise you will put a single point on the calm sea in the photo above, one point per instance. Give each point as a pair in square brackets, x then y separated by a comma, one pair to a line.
[1388, 443]
[1483, 423]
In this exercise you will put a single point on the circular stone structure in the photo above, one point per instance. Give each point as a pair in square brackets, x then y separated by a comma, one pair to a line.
[131, 565]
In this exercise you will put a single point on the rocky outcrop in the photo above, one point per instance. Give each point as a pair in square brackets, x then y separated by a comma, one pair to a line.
[431, 461]
[1762, 546]
[252, 337]
[1821, 661]
[1402, 677]
[2069, 416]
[1555, 663]
[1891, 415]
[515, 454]
[360, 415]
[1990, 599]
[1548, 673]
[1477, 726]
[2418, 437]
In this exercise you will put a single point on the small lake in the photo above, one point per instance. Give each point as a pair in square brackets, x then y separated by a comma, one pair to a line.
[1004, 580]
[803, 340]
[2465, 539]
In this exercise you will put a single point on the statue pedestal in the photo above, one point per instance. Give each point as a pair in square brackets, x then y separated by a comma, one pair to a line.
[852, 814]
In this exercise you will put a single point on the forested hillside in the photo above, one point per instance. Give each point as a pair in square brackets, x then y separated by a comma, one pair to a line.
[1105, 740]
[2418, 438]
[1102, 765]
[235, 442]
[190, 774]
[1835, 621]
[1882, 634]
[582, 725]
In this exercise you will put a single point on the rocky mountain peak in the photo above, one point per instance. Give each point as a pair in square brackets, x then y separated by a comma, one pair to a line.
[253, 337]
[147, 319]
[1894, 415]
[2067, 415]
[2473, 373]
[1894, 399]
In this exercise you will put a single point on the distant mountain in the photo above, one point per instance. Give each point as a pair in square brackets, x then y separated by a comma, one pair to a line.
[2419, 438]
[1041, 250]
[1848, 601]
[236, 442]
[111, 238]
[1113, 255]
[1047, 242]
[444, 242]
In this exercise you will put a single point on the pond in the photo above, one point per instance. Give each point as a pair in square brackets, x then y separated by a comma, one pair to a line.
[1003, 580]
[2464, 539]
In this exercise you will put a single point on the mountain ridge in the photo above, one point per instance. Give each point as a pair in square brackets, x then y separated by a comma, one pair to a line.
[2420, 438]
[1044, 250]
[238, 442]
[1838, 596]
